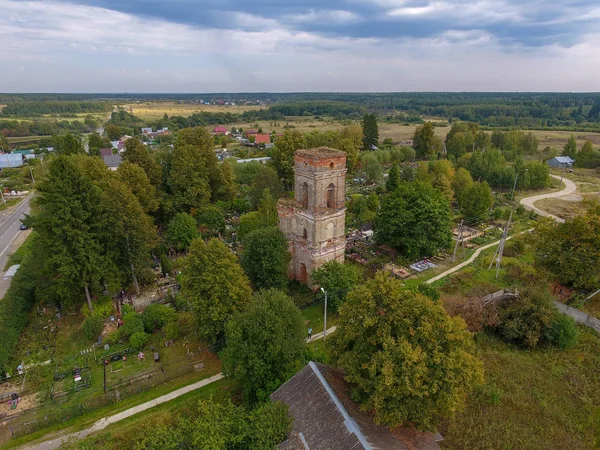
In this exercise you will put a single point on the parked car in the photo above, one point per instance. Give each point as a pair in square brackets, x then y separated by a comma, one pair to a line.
[23, 227]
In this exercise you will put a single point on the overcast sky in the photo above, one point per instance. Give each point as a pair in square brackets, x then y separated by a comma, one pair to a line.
[299, 45]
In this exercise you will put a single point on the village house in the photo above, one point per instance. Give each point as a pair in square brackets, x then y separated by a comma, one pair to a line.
[262, 139]
[220, 130]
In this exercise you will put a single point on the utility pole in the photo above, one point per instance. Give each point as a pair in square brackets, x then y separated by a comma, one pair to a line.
[135, 281]
[325, 315]
[500, 249]
[458, 239]
[31, 173]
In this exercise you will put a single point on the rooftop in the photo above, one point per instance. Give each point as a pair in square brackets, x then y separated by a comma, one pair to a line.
[326, 418]
[320, 152]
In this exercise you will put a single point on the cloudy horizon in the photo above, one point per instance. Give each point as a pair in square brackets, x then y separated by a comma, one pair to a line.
[143, 46]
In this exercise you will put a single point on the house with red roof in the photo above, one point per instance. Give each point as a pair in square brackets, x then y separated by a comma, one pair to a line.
[220, 130]
[262, 139]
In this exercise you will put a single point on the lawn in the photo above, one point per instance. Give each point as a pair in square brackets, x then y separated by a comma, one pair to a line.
[314, 317]
[125, 433]
[532, 399]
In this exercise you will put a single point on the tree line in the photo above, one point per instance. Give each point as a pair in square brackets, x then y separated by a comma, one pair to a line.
[31, 109]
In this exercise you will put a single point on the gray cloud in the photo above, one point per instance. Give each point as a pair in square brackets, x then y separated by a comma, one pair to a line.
[270, 45]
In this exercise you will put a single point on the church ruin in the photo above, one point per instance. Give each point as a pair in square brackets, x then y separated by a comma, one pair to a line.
[314, 222]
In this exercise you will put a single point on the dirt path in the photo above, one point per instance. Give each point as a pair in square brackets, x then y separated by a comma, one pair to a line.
[529, 202]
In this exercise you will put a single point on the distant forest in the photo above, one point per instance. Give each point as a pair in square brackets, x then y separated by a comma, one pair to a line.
[568, 111]
[35, 108]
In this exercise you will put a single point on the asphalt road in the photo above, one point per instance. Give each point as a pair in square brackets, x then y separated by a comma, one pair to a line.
[9, 232]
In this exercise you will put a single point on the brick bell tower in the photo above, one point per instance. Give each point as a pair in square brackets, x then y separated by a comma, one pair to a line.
[315, 222]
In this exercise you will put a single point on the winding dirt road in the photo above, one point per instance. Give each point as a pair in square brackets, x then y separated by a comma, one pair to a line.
[529, 202]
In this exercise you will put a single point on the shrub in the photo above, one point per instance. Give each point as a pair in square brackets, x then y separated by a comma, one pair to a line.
[103, 308]
[514, 247]
[156, 316]
[562, 331]
[172, 330]
[92, 327]
[133, 323]
[187, 323]
[524, 320]
[165, 265]
[138, 340]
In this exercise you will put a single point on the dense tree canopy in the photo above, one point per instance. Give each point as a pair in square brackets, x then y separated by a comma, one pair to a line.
[370, 132]
[283, 154]
[475, 201]
[181, 231]
[219, 425]
[265, 258]
[71, 231]
[406, 359]
[570, 251]
[136, 179]
[264, 344]
[215, 285]
[426, 144]
[415, 219]
[337, 279]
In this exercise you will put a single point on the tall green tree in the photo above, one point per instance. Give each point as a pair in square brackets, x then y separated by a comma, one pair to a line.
[570, 251]
[570, 148]
[137, 153]
[426, 144]
[139, 183]
[475, 201]
[370, 132]
[129, 231]
[393, 180]
[406, 359]
[266, 178]
[188, 181]
[351, 142]
[265, 344]
[266, 258]
[415, 219]
[67, 144]
[4, 145]
[283, 154]
[181, 231]
[461, 181]
[69, 224]
[337, 279]
[94, 143]
[216, 286]
[113, 132]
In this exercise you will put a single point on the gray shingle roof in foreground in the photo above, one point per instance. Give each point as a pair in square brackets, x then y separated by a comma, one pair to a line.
[326, 419]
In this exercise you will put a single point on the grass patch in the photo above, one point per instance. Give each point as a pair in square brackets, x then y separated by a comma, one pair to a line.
[20, 253]
[532, 399]
[126, 433]
[314, 315]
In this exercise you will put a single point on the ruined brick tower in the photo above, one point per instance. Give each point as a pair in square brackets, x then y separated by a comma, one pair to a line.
[314, 223]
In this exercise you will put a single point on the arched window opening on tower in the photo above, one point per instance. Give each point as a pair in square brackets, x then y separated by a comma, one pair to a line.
[331, 196]
[305, 195]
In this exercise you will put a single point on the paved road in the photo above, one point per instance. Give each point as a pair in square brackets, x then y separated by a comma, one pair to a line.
[9, 232]
[529, 202]
[106, 421]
